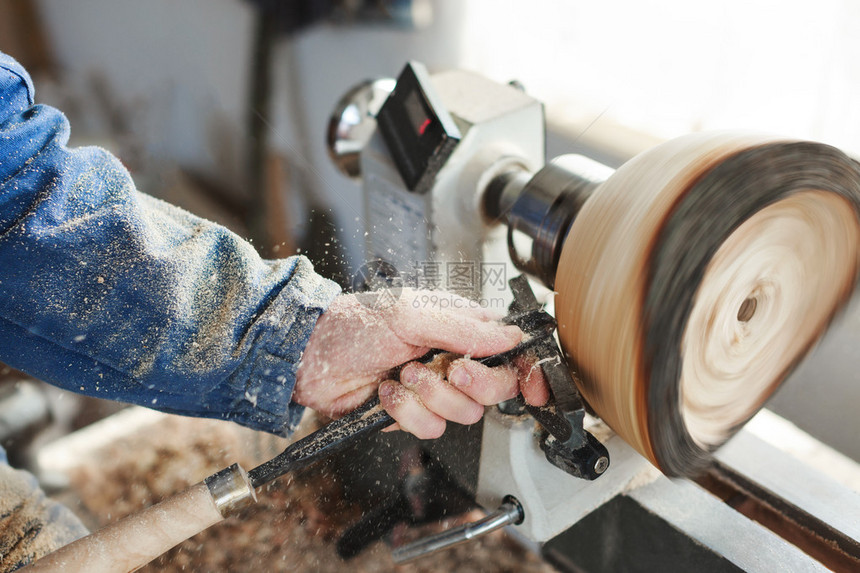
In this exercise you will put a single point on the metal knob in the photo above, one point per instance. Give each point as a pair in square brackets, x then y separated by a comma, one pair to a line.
[353, 122]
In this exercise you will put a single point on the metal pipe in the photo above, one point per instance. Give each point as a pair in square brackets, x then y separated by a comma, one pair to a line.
[509, 513]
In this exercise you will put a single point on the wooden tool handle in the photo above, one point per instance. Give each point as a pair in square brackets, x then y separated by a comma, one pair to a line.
[137, 539]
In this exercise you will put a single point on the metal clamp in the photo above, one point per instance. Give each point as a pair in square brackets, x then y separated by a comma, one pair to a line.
[565, 442]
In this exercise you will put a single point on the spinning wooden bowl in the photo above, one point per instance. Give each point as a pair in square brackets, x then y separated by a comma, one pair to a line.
[697, 276]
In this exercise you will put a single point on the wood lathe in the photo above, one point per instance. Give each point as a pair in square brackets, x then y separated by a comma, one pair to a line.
[689, 283]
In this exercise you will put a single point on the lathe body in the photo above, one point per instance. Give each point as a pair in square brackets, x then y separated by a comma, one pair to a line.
[456, 226]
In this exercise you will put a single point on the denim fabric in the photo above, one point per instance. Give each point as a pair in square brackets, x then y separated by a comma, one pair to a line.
[112, 293]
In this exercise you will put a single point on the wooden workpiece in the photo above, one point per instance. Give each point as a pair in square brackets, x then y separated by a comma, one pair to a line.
[697, 277]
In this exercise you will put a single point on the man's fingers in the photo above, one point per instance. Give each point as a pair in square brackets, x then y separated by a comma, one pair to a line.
[533, 384]
[484, 385]
[405, 407]
[431, 301]
[487, 314]
[395, 427]
[438, 396]
[454, 333]
[349, 401]
[336, 397]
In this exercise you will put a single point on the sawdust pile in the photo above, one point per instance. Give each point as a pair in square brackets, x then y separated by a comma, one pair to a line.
[293, 527]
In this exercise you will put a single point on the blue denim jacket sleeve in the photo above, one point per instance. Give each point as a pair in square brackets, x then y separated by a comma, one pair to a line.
[112, 293]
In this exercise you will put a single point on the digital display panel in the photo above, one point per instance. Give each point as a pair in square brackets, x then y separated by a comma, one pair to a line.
[417, 113]
[418, 130]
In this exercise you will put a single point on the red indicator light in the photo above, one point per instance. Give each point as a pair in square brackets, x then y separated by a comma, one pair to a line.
[424, 125]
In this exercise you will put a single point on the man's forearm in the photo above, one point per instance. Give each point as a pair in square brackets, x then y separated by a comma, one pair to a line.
[112, 293]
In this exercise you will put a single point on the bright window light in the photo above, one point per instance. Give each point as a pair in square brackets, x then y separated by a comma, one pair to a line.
[670, 67]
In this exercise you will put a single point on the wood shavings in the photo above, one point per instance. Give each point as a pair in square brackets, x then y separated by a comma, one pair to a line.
[293, 527]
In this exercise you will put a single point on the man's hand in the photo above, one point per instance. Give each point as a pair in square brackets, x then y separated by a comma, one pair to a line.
[354, 347]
